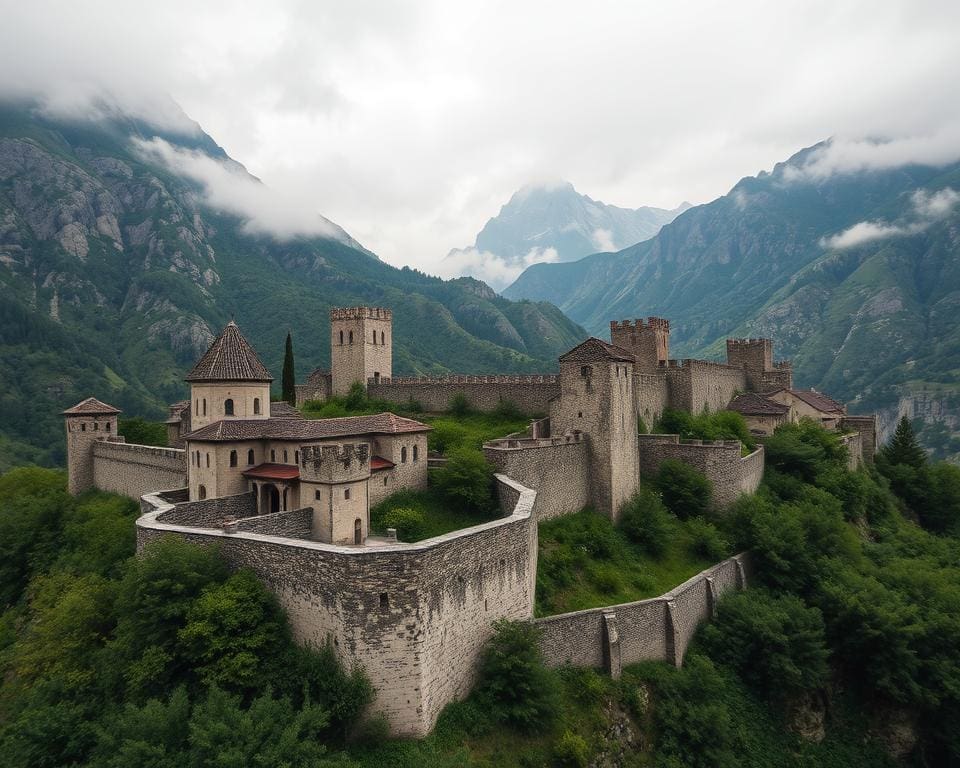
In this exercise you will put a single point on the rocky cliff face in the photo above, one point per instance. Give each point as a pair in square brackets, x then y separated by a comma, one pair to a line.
[115, 272]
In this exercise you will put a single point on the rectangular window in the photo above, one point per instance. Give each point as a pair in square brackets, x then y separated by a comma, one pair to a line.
[346, 493]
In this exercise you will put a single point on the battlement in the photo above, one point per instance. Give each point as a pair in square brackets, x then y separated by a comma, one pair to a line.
[511, 443]
[546, 378]
[339, 463]
[360, 313]
[688, 363]
[749, 343]
[783, 365]
[652, 324]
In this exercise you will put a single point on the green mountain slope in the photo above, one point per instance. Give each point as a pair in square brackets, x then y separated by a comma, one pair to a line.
[115, 274]
[872, 322]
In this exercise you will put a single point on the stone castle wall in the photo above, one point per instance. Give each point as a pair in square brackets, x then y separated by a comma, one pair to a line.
[854, 445]
[530, 394]
[658, 629]
[698, 385]
[652, 396]
[556, 468]
[416, 616]
[867, 427]
[720, 461]
[133, 470]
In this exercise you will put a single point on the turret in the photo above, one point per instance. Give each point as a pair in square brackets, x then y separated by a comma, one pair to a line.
[87, 422]
[333, 480]
[361, 346]
[649, 342]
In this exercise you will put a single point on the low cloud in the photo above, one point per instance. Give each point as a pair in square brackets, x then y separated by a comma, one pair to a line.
[494, 270]
[602, 240]
[928, 208]
[851, 155]
[228, 187]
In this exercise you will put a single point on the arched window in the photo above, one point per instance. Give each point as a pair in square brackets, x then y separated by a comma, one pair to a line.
[83, 426]
[202, 492]
[374, 337]
[196, 407]
[108, 426]
[250, 456]
[416, 453]
[357, 531]
[346, 494]
[96, 426]
[381, 338]
[208, 461]
[341, 338]
[403, 455]
[228, 407]
[273, 455]
[256, 406]
[316, 495]
[233, 458]
[198, 458]
[204, 406]
[296, 457]
[351, 337]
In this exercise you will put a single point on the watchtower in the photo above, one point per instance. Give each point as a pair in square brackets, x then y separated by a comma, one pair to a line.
[87, 422]
[361, 346]
[334, 481]
[648, 342]
[755, 356]
[228, 382]
[596, 398]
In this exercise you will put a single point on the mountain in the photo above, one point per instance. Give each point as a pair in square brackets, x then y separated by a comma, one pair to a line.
[856, 275]
[553, 222]
[116, 272]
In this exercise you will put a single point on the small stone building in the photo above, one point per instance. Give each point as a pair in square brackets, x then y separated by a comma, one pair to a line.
[811, 404]
[762, 415]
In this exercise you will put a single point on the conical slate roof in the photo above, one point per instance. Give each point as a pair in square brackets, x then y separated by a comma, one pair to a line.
[91, 407]
[229, 358]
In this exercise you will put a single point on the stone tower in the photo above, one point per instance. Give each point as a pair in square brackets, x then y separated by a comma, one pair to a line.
[228, 382]
[334, 481]
[87, 422]
[648, 342]
[596, 398]
[755, 356]
[361, 346]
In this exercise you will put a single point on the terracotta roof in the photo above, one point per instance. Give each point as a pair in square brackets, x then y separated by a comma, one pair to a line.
[303, 430]
[229, 358]
[91, 407]
[815, 399]
[595, 350]
[378, 462]
[751, 404]
[283, 410]
[270, 471]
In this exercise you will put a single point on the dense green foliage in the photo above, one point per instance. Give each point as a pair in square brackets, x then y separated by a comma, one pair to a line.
[708, 425]
[466, 479]
[288, 380]
[685, 491]
[167, 659]
[143, 432]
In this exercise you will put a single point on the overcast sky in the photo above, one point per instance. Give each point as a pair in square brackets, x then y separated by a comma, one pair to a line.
[410, 124]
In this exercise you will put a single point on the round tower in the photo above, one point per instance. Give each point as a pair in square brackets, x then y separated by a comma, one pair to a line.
[361, 346]
[87, 422]
[228, 382]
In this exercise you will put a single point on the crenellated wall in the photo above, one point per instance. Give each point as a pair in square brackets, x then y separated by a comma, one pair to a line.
[133, 470]
[730, 473]
[416, 616]
[698, 385]
[530, 394]
[556, 468]
[658, 629]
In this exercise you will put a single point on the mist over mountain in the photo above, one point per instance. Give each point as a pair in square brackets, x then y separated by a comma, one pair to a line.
[853, 268]
[552, 222]
[125, 245]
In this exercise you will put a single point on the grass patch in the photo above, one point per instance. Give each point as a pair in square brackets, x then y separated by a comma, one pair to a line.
[471, 430]
[437, 514]
[586, 562]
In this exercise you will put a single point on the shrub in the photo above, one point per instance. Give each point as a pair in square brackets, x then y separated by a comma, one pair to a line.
[777, 644]
[410, 523]
[705, 540]
[466, 478]
[506, 409]
[447, 434]
[356, 398]
[513, 679]
[571, 750]
[143, 432]
[646, 522]
[459, 405]
[684, 490]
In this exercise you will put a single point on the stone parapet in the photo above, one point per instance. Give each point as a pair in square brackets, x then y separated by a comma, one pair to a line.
[361, 313]
[133, 470]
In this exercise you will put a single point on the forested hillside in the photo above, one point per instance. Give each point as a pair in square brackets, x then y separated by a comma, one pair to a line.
[115, 272]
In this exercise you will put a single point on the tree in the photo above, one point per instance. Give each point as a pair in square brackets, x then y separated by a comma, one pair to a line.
[904, 448]
[646, 522]
[289, 379]
[684, 490]
[467, 478]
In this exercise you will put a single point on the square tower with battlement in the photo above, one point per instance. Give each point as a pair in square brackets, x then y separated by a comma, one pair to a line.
[361, 346]
[649, 341]
[333, 480]
[755, 357]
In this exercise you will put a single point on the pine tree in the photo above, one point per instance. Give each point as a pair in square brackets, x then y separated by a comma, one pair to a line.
[904, 448]
[289, 378]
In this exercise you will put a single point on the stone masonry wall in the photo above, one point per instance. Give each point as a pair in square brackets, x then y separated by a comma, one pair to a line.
[659, 629]
[720, 461]
[853, 442]
[696, 385]
[416, 616]
[133, 470]
[208, 512]
[652, 396]
[530, 394]
[556, 468]
[867, 427]
[297, 523]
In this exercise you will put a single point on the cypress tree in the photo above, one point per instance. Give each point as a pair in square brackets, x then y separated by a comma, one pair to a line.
[904, 448]
[289, 378]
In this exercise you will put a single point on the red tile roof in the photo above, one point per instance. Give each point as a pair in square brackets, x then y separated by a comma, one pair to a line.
[270, 471]
[91, 407]
[229, 358]
[378, 462]
[815, 399]
[304, 430]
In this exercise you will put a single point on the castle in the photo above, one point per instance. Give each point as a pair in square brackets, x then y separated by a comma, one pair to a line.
[290, 497]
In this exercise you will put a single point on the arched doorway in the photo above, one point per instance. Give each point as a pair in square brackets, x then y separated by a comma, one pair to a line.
[269, 499]
[357, 531]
